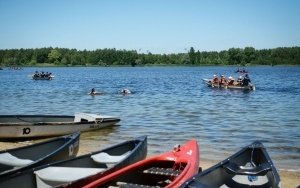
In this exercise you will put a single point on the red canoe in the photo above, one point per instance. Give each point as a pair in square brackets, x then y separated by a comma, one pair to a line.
[170, 169]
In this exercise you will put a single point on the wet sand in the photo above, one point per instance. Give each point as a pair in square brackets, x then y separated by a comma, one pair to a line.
[289, 179]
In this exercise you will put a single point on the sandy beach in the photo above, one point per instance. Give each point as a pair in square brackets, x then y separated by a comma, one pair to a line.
[288, 179]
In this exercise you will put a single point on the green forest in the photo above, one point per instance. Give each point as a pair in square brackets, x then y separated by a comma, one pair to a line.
[112, 57]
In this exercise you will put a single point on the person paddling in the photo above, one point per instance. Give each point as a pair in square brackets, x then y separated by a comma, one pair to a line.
[246, 80]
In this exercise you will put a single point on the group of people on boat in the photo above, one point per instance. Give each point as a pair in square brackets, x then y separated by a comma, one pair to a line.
[42, 74]
[231, 81]
[241, 71]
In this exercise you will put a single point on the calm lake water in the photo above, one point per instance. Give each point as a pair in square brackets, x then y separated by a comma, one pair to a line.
[171, 105]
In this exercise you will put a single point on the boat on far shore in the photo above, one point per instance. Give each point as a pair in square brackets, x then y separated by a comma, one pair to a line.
[26, 126]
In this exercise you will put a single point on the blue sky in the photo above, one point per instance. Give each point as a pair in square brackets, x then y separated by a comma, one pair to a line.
[156, 26]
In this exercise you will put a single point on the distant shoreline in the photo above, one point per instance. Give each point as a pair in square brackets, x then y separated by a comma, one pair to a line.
[154, 65]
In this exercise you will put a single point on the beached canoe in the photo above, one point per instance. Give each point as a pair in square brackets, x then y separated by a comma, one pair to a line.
[249, 167]
[170, 169]
[25, 126]
[209, 83]
[16, 160]
[83, 169]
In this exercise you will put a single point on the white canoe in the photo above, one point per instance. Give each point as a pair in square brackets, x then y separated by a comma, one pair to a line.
[23, 126]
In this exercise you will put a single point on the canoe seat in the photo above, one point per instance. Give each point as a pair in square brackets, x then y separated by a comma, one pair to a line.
[58, 175]
[10, 160]
[163, 171]
[233, 168]
[108, 159]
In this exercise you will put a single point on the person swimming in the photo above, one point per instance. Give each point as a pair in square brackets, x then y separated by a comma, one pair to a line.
[94, 92]
[125, 91]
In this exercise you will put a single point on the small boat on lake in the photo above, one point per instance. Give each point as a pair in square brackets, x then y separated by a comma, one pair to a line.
[81, 170]
[25, 126]
[235, 85]
[42, 78]
[249, 167]
[16, 160]
[170, 169]
[241, 71]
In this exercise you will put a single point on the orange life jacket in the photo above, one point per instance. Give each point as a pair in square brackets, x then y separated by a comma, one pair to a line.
[215, 80]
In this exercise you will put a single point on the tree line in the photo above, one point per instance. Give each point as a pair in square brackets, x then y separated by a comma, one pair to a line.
[112, 57]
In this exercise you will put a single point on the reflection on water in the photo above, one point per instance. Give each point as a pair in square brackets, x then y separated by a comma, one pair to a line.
[171, 105]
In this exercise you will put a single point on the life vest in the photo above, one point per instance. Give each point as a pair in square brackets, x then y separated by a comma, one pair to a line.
[215, 80]
[223, 80]
[230, 81]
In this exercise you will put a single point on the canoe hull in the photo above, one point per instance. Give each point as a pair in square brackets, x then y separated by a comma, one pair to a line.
[29, 179]
[42, 78]
[27, 126]
[40, 153]
[167, 170]
[251, 166]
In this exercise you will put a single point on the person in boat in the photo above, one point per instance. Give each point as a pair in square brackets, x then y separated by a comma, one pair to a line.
[36, 74]
[215, 79]
[246, 80]
[230, 80]
[240, 80]
[223, 80]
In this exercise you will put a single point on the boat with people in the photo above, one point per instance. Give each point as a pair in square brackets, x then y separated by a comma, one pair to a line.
[170, 169]
[81, 170]
[242, 71]
[26, 126]
[16, 160]
[241, 84]
[249, 167]
[41, 76]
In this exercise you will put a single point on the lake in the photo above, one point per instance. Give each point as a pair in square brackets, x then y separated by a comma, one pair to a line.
[171, 105]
